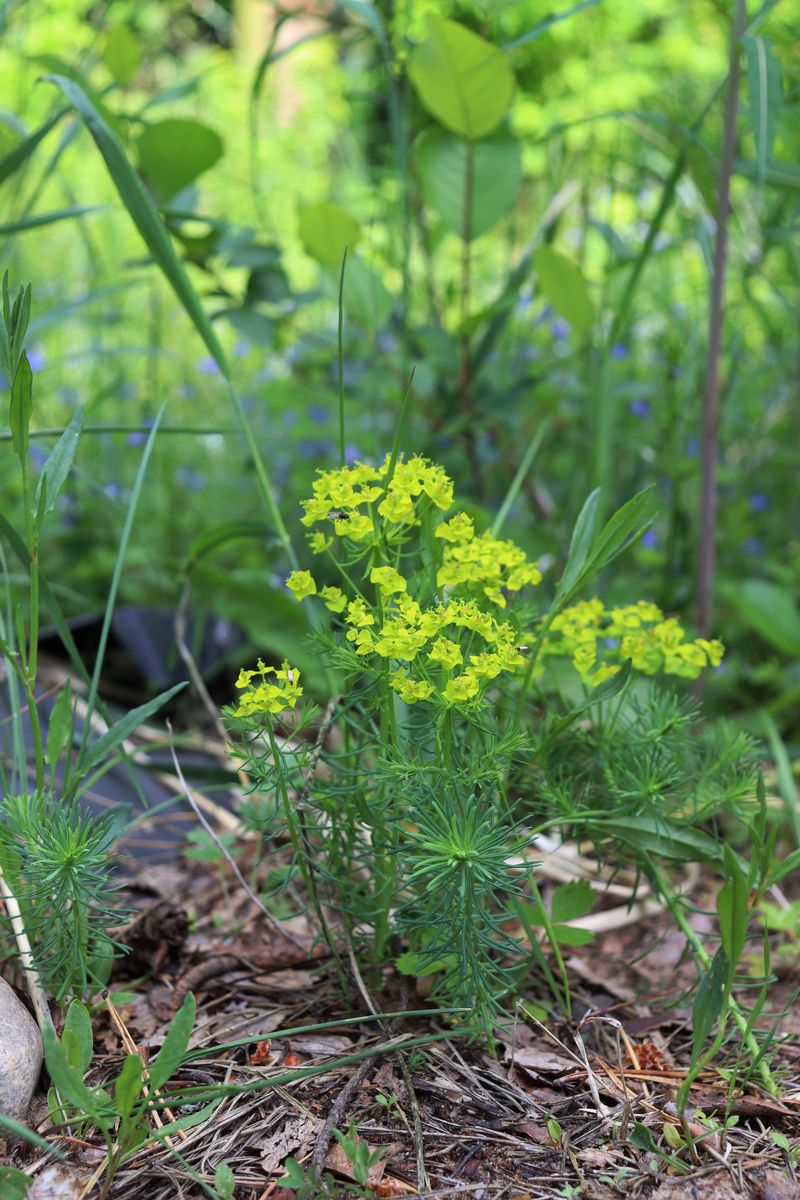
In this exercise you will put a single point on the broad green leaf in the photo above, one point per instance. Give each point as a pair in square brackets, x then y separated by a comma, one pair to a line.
[174, 152]
[121, 54]
[765, 90]
[590, 552]
[295, 1177]
[143, 213]
[580, 545]
[78, 1024]
[176, 1043]
[571, 900]
[733, 908]
[572, 935]
[225, 1181]
[14, 1184]
[59, 728]
[451, 168]
[666, 839]
[709, 1001]
[463, 80]
[770, 610]
[364, 297]
[326, 230]
[128, 1085]
[564, 288]
[107, 744]
[416, 962]
[59, 462]
[21, 407]
[67, 1079]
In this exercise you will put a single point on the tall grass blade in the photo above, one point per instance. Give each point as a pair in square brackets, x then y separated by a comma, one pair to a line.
[143, 213]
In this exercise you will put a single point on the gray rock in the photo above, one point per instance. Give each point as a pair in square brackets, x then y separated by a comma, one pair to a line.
[20, 1055]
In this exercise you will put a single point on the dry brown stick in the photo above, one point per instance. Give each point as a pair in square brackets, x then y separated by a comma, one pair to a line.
[271, 920]
[35, 991]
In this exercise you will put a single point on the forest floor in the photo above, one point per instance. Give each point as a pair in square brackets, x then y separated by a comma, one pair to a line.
[558, 1110]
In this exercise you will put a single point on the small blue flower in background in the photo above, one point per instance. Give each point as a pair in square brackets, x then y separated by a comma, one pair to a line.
[561, 328]
[289, 417]
[752, 546]
[208, 365]
[188, 390]
[195, 481]
[112, 491]
[318, 449]
[386, 342]
[639, 408]
[351, 455]
[69, 395]
[611, 643]
[36, 358]
[524, 301]
[242, 348]
[759, 502]
[139, 436]
[619, 351]
[650, 539]
[318, 413]
[38, 456]
[692, 447]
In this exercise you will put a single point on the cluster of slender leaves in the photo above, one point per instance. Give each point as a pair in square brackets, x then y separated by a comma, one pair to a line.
[123, 1114]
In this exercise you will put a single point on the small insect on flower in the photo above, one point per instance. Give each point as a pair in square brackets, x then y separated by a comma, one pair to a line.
[336, 514]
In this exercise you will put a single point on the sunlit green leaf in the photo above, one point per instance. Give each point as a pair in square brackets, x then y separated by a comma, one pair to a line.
[175, 152]
[326, 230]
[462, 79]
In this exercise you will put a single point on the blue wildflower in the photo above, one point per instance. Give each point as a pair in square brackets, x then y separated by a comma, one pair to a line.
[36, 358]
[195, 481]
[759, 502]
[639, 408]
[561, 328]
[619, 351]
[208, 365]
[650, 539]
[38, 456]
[752, 546]
[692, 447]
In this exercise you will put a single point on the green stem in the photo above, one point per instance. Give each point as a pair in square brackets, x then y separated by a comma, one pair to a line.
[704, 958]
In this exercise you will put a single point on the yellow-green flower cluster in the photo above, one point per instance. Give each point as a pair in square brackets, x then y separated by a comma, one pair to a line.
[276, 689]
[599, 640]
[456, 648]
[482, 562]
[348, 498]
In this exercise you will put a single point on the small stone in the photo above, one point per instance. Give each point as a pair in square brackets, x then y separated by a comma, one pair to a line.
[20, 1055]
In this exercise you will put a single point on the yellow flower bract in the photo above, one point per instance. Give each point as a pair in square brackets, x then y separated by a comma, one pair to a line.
[599, 640]
[277, 689]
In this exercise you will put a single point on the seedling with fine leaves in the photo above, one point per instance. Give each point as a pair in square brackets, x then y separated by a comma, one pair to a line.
[126, 1115]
